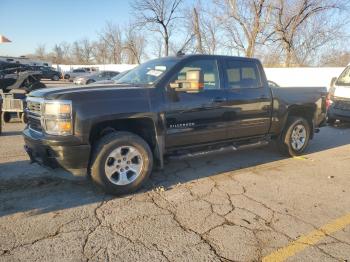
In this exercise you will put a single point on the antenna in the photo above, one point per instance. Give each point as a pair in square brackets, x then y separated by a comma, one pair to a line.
[180, 52]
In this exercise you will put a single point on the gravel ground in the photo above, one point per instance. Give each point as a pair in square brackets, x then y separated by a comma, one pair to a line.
[242, 206]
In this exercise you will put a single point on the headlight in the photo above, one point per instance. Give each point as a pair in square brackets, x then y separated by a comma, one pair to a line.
[57, 108]
[57, 117]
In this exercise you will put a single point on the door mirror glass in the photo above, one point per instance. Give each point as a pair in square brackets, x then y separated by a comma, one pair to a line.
[196, 76]
[192, 83]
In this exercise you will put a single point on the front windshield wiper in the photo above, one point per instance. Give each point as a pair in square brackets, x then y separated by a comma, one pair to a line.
[134, 84]
[122, 83]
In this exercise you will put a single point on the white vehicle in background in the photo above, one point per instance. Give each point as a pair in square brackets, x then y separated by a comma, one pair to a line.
[79, 72]
[339, 98]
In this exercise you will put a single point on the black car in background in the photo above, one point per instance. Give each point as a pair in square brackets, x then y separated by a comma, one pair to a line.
[49, 73]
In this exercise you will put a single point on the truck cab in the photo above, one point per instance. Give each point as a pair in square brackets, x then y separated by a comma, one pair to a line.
[339, 98]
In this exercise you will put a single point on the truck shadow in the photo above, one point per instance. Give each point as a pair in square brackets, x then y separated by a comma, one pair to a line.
[11, 133]
[35, 190]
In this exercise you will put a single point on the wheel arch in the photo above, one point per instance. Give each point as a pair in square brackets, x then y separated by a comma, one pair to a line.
[145, 127]
[305, 111]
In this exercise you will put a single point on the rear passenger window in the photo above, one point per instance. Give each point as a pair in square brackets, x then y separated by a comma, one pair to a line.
[242, 74]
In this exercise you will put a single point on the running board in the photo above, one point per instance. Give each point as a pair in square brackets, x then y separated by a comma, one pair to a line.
[220, 150]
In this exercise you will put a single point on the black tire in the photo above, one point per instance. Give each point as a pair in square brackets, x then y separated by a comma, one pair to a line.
[101, 154]
[6, 117]
[23, 118]
[284, 142]
[90, 81]
[66, 76]
[0, 124]
[331, 121]
[55, 78]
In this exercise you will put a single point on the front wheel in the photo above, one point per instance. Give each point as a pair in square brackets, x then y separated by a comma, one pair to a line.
[121, 163]
[23, 118]
[295, 138]
[6, 117]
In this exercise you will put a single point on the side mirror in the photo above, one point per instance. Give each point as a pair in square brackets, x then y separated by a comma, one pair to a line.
[334, 79]
[193, 83]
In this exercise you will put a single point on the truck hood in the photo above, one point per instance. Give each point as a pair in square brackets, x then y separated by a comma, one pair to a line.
[342, 92]
[93, 92]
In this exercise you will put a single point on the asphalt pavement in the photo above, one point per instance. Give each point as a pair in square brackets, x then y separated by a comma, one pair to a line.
[251, 205]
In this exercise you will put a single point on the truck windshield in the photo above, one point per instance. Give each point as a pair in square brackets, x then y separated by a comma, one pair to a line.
[147, 73]
[344, 78]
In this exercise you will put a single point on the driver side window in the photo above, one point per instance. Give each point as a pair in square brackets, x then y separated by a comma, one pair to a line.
[207, 68]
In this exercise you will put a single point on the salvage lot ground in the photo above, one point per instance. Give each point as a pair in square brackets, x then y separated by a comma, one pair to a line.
[245, 206]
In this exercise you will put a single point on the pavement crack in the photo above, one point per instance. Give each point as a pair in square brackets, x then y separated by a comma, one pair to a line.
[201, 236]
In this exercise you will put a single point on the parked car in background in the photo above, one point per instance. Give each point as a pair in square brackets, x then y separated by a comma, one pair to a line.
[113, 79]
[91, 78]
[49, 73]
[70, 75]
[172, 107]
[339, 98]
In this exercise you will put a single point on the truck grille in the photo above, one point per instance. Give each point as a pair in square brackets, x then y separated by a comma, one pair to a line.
[35, 124]
[342, 105]
[34, 107]
[34, 115]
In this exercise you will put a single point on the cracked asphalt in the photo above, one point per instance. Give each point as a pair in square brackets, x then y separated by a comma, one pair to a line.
[241, 206]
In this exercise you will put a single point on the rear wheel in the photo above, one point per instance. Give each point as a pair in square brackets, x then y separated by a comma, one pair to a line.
[121, 163]
[6, 117]
[66, 76]
[55, 78]
[295, 138]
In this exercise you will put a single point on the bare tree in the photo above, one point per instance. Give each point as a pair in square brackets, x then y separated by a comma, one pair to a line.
[40, 51]
[211, 37]
[246, 23]
[204, 28]
[66, 52]
[299, 29]
[86, 51]
[100, 52]
[57, 54]
[112, 38]
[77, 56]
[134, 46]
[197, 31]
[159, 15]
[335, 58]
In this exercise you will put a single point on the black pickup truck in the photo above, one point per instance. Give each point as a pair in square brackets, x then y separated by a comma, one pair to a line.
[182, 106]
